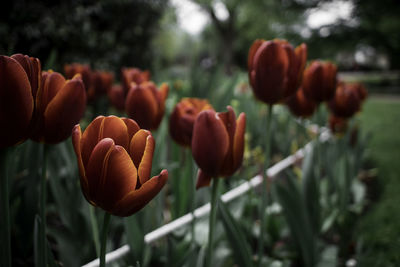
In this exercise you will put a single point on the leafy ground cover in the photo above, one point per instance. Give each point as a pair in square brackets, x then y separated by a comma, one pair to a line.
[379, 229]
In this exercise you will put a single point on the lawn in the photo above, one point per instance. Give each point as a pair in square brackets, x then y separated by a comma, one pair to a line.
[379, 229]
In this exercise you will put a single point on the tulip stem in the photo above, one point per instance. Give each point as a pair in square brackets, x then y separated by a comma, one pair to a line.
[42, 206]
[5, 208]
[95, 229]
[264, 191]
[213, 216]
[106, 222]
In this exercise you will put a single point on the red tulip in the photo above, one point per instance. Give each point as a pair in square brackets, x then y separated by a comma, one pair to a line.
[183, 117]
[146, 105]
[115, 158]
[101, 83]
[218, 144]
[133, 75]
[84, 70]
[300, 105]
[319, 81]
[60, 104]
[117, 97]
[275, 69]
[346, 101]
[19, 82]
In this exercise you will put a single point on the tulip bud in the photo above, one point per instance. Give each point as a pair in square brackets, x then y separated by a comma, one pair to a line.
[300, 105]
[133, 75]
[19, 82]
[146, 105]
[84, 70]
[101, 83]
[117, 97]
[218, 144]
[319, 81]
[346, 101]
[115, 159]
[183, 117]
[275, 69]
[60, 104]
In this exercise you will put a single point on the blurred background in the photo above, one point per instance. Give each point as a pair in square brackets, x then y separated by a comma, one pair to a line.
[180, 41]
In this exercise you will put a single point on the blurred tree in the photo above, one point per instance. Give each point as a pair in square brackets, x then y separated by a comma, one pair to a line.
[106, 33]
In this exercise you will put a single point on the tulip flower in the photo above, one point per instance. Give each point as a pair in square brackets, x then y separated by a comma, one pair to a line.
[319, 81]
[217, 144]
[117, 97]
[19, 82]
[84, 70]
[101, 83]
[183, 117]
[300, 105]
[60, 104]
[275, 69]
[115, 158]
[133, 75]
[346, 101]
[146, 105]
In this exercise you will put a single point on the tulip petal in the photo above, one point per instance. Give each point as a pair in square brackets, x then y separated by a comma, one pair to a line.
[90, 138]
[76, 142]
[136, 200]
[253, 49]
[16, 102]
[64, 111]
[238, 141]
[33, 70]
[210, 142]
[138, 146]
[132, 127]
[147, 160]
[163, 93]
[271, 65]
[96, 170]
[203, 179]
[52, 83]
[142, 106]
[117, 97]
[116, 129]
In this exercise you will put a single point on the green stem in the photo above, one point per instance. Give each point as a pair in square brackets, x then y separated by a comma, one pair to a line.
[213, 216]
[95, 229]
[106, 222]
[5, 208]
[193, 197]
[42, 206]
[264, 192]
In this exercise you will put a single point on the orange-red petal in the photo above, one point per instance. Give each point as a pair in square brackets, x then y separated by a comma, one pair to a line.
[142, 106]
[64, 111]
[136, 200]
[203, 179]
[16, 102]
[210, 142]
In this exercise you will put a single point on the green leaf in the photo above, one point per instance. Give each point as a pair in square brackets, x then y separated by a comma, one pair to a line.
[236, 238]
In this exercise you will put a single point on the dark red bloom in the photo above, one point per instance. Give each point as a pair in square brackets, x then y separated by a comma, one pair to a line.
[146, 105]
[300, 105]
[218, 144]
[19, 82]
[60, 104]
[133, 75]
[319, 81]
[115, 159]
[275, 69]
[183, 117]
[346, 101]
